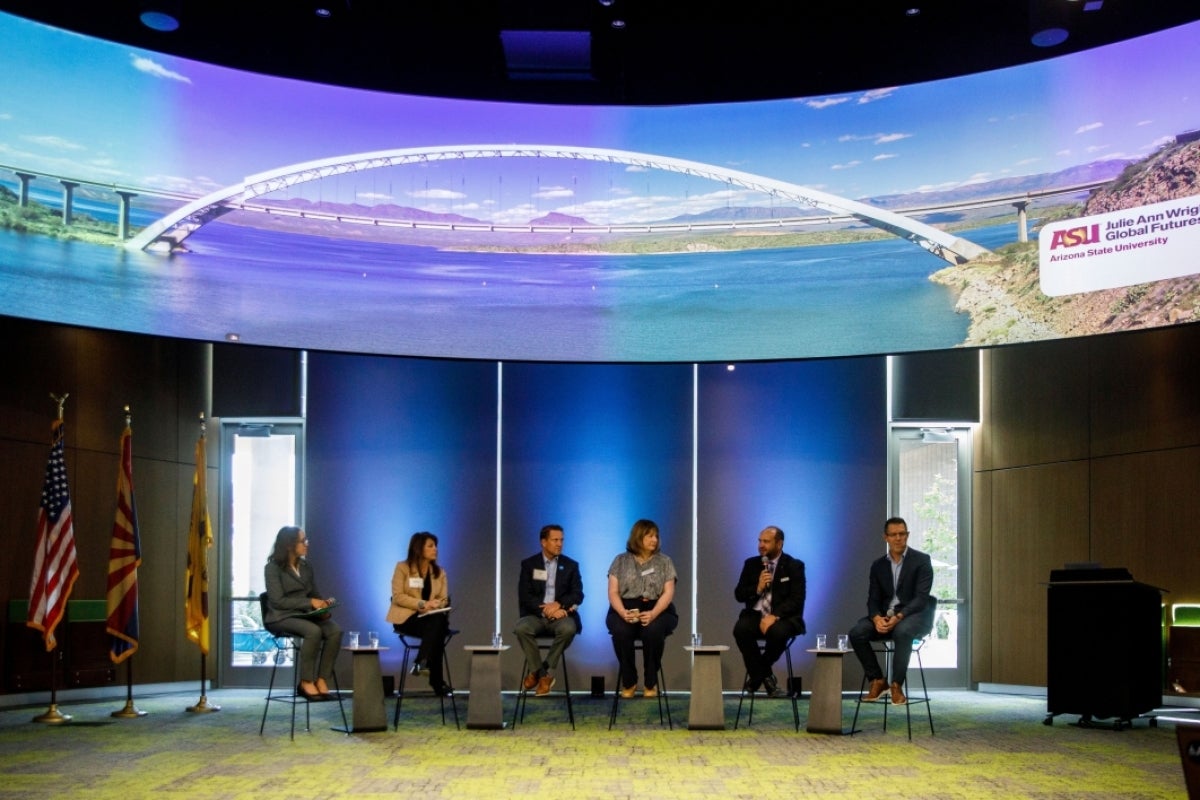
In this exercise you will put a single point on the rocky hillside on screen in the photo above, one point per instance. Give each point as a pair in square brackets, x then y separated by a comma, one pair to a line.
[1001, 290]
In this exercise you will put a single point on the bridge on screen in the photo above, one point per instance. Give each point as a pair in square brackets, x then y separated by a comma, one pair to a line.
[169, 232]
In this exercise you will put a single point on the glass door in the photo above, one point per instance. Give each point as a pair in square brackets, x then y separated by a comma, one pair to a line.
[931, 489]
[262, 479]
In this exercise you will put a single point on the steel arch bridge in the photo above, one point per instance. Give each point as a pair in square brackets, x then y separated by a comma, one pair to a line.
[169, 232]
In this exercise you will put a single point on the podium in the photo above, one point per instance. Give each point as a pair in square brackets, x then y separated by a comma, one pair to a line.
[1105, 645]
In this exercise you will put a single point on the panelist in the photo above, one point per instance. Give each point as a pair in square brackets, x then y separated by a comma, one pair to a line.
[549, 592]
[420, 607]
[898, 608]
[772, 588]
[292, 599]
[641, 591]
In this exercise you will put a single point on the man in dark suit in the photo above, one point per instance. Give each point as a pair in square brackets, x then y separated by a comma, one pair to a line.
[898, 608]
[772, 588]
[549, 593]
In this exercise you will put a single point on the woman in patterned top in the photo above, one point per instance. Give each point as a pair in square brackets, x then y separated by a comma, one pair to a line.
[641, 588]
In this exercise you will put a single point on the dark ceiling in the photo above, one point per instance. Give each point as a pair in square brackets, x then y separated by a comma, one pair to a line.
[660, 52]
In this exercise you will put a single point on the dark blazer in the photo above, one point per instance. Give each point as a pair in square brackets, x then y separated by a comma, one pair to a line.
[787, 588]
[289, 595]
[916, 581]
[568, 587]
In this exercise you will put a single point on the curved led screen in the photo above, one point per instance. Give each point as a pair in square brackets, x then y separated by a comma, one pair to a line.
[153, 194]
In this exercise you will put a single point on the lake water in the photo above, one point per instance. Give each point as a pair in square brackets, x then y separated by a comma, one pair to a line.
[284, 289]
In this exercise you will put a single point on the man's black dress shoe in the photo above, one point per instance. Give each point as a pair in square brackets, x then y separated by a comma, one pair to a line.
[771, 687]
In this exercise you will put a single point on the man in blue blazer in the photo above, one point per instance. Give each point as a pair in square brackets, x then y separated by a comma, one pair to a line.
[549, 593]
[772, 588]
[899, 608]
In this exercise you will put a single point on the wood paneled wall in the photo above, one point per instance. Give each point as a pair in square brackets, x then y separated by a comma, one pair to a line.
[1089, 451]
[165, 382]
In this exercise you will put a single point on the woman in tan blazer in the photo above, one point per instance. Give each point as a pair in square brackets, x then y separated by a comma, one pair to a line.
[420, 603]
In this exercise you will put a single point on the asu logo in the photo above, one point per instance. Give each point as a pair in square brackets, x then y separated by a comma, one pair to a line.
[1073, 237]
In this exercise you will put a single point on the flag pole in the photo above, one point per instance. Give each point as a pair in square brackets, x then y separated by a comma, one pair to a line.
[52, 716]
[202, 705]
[130, 711]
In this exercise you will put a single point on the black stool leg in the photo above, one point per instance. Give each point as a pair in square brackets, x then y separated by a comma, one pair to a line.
[449, 682]
[403, 677]
[791, 680]
[566, 673]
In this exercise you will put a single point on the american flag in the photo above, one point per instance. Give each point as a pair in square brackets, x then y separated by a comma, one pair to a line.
[55, 568]
[124, 558]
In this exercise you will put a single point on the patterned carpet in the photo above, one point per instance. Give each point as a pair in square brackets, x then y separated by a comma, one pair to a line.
[986, 745]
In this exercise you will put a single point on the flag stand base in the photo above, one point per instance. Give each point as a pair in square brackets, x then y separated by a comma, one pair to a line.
[130, 711]
[202, 707]
[52, 716]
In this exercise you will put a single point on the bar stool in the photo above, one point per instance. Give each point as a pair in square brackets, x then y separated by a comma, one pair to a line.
[285, 642]
[887, 648]
[410, 644]
[662, 693]
[791, 681]
[544, 643]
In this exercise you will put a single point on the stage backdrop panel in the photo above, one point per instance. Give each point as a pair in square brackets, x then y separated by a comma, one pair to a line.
[800, 445]
[395, 446]
[594, 448]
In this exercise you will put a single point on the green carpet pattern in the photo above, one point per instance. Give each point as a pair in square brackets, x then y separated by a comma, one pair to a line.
[986, 745]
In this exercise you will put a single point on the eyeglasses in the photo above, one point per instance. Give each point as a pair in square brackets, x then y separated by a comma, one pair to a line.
[896, 533]
[302, 541]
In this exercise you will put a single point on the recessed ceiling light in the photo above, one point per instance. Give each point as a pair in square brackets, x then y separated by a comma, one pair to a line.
[160, 15]
[912, 12]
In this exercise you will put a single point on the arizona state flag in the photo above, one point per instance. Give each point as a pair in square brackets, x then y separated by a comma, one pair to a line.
[199, 540]
[124, 558]
[55, 568]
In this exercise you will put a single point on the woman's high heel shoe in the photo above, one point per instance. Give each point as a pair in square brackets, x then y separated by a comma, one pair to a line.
[315, 697]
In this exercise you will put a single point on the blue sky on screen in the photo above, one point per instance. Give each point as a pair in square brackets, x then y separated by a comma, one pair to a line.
[95, 110]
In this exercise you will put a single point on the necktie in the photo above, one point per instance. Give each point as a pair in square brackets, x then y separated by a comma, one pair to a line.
[766, 598]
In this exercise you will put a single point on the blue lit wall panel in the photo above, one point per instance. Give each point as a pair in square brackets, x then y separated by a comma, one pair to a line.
[397, 446]
[801, 445]
[594, 448]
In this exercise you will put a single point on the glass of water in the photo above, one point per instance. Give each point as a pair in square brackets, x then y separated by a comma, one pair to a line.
[821, 641]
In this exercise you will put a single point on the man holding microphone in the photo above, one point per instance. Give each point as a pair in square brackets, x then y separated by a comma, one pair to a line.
[772, 589]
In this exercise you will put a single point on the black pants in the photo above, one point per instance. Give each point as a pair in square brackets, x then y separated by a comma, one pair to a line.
[746, 633]
[653, 636]
[431, 630]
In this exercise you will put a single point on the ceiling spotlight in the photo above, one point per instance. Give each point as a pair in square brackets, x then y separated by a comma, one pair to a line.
[606, 3]
[161, 15]
[912, 12]
[1048, 22]
[328, 9]
[619, 24]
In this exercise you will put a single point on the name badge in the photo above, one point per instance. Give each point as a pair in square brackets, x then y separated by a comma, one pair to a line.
[539, 574]
[416, 583]
[649, 571]
[784, 580]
